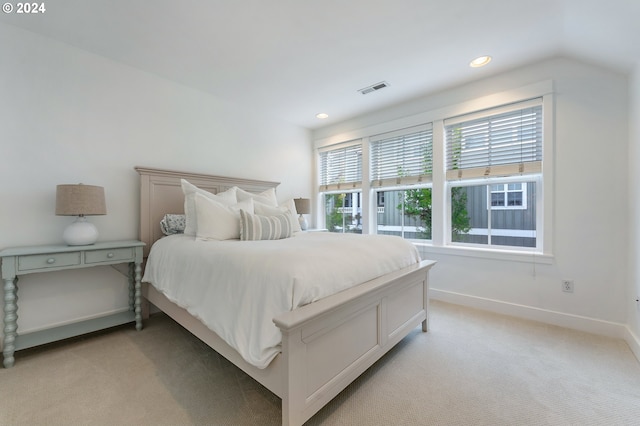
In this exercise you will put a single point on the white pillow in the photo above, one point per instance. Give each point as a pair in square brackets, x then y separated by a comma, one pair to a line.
[255, 227]
[288, 207]
[217, 221]
[189, 190]
[266, 197]
[291, 206]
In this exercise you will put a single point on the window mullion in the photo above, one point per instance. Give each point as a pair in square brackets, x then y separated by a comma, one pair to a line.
[489, 220]
[367, 203]
[438, 191]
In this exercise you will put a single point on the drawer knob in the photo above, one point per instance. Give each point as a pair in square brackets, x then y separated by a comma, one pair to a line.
[110, 255]
[51, 260]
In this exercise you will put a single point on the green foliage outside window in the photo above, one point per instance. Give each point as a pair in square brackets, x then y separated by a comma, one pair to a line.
[336, 220]
[460, 221]
[333, 202]
[417, 203]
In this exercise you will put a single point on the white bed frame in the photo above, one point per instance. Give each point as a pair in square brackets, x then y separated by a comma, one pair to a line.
[326, 344]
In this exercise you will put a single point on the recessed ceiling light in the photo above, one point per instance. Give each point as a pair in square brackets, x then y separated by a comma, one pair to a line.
[322, 115]
[480, 61]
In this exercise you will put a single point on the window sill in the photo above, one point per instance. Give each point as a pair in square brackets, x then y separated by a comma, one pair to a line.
[493, 254]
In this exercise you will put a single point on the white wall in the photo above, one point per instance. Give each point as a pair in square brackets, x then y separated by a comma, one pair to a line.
[590, 212]
[67, 116]
[634, 210]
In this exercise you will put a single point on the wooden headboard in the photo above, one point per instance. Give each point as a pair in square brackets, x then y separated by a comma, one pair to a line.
[161, 193]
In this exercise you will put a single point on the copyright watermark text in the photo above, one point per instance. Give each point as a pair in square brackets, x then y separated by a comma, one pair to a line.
[23, 8]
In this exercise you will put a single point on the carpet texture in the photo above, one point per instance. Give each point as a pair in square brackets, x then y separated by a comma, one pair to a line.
[471, 368]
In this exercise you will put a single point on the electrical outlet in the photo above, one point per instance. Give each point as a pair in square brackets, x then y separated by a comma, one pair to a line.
[567, 286]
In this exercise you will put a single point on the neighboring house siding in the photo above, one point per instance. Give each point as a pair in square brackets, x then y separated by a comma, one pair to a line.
[508, 219]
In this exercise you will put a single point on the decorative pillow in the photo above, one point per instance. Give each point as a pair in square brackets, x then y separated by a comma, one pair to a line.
[288, 207]
[291, 206]
[217, 221]
[255, 227]
[189, 190]
[266, 197]
[172, 224]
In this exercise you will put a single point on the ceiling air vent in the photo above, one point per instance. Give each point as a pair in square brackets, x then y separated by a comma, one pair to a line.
[374, 87]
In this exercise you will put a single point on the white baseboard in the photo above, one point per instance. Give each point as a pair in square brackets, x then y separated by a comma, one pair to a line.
[633, 342]
[561, 319]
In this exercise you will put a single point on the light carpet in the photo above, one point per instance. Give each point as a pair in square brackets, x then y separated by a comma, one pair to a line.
[471, 368]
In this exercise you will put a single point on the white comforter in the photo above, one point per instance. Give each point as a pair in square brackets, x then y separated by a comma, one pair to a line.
[237, 287]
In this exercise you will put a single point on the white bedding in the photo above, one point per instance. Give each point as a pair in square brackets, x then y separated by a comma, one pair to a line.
[237, 287]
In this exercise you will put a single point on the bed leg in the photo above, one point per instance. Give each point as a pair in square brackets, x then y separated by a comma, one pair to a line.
[144, 303]
[425, 326]
[145, 309]
[294, 392]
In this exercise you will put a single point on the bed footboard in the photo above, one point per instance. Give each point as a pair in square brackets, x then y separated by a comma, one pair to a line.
[328, 344]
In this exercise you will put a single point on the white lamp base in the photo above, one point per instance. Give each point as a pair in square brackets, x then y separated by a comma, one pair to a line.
[80, 233]
[303, 222]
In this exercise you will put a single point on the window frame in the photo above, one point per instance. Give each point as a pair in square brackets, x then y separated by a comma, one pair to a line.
[323, 199]
[398, 174]
[537, 179]
[377, 190]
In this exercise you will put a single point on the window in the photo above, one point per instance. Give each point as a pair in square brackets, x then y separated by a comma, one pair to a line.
[511, 196]
[483, 223]
[405, 213]
[401, 170]
[343, 212]
[455, 178]
[404, 157]
[340, 182]
[341, 168]
[502, 146]
[501, 142]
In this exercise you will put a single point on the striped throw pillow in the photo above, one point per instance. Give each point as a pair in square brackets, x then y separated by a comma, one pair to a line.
[255, 227]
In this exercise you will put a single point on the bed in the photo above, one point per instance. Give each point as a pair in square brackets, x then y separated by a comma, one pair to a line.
[364, 321]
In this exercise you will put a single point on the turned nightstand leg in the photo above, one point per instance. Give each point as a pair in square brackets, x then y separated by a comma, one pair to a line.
[10, 321]
[132, 306]
[138, 296]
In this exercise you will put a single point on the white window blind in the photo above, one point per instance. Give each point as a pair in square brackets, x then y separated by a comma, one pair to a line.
[341, 168]
[402, 157]
[499, 142]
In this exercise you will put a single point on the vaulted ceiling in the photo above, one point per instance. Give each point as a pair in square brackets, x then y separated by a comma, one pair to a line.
[292, 59]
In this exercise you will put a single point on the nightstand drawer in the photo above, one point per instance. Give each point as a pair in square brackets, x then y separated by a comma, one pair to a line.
[109, 255]
[43, 261]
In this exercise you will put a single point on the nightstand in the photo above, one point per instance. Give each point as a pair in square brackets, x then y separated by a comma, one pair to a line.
[29, 260]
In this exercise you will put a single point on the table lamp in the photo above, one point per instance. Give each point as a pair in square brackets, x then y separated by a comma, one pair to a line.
[80, 200]
[303, 206]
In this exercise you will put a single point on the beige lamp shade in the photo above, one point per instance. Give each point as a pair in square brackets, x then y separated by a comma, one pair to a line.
[80, 200]
[303, 205]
